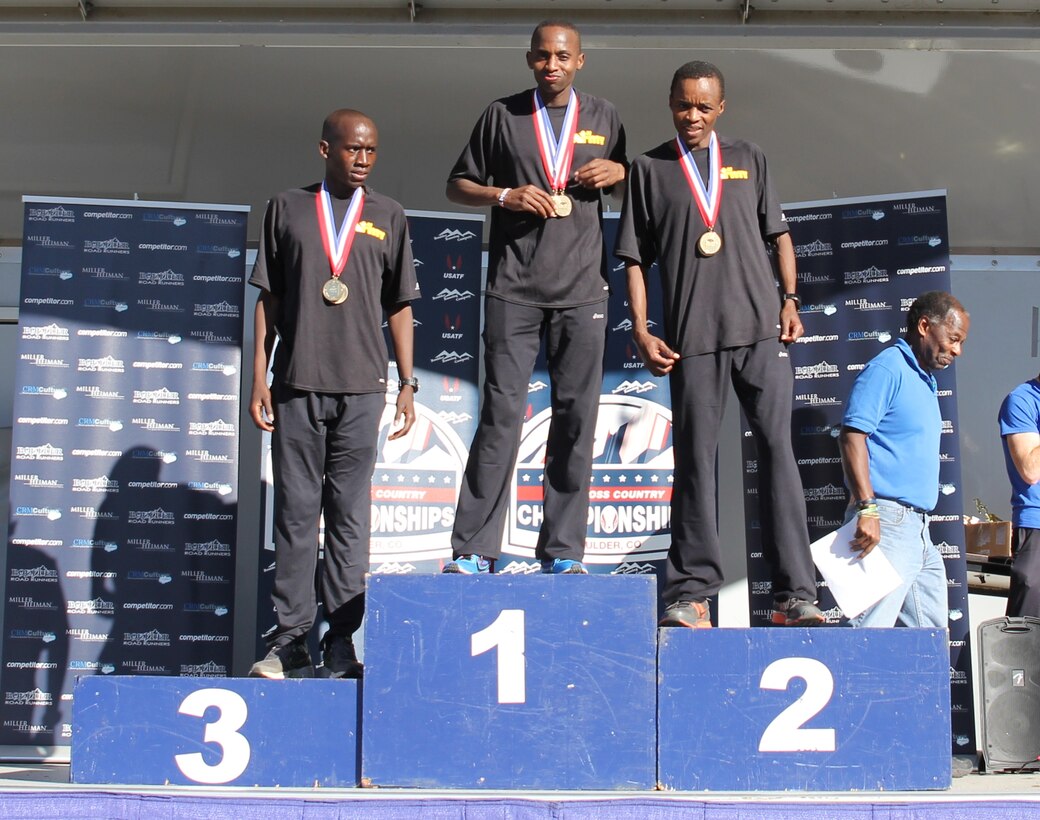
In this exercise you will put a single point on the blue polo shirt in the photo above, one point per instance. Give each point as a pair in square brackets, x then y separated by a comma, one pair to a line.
[895, 402]
[1020, 413]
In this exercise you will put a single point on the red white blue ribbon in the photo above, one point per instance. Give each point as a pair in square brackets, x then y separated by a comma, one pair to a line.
[708, 198]
[556, 155]
[337, 243]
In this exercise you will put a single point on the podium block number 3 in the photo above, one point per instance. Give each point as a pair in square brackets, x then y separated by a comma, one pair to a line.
[223, 731]
[506, 633]
[785, 732]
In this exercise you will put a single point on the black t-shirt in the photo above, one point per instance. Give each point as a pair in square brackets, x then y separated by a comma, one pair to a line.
[711, 303]
[333, 348]
[535, 261]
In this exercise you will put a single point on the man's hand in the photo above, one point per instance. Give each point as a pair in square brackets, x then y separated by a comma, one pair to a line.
[259, 405]
[405, 413]
[790, 324]
[657, 356]
[532, 199]
[868, 534]
[600, 173]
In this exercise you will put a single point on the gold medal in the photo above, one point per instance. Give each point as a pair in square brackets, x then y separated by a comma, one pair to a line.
[562, 204]
[334, 291]
[709, 244]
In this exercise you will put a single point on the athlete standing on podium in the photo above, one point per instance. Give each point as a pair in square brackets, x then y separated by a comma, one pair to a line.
[333, 257]
[703, 207]
[540, 159]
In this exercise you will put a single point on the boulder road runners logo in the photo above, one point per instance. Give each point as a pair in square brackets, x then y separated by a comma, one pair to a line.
[631, 493]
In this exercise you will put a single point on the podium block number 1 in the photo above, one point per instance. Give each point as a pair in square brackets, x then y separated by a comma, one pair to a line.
[506, 633]
[785, 733]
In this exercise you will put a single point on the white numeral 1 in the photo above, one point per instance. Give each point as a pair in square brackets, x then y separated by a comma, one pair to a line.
[506, 633]
[785, 732]
[235, 751]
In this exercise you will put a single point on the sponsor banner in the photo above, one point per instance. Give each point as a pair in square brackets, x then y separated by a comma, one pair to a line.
[125, 454]
[861, 264]
[415, 486]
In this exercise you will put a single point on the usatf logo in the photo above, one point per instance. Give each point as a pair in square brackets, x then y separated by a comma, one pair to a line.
[45, 333]
[210, 669]
[451, 390]
[820, 370]
[156, 516]
[101, 484]
[108, 215]
[452, 328]
[211, 428]
[161, 396]
[913, 209]
[863, 213]
[39, 360]
[40, 574]
[587, 137]
[118, 305]
[41, 452]
[867, 276]
[224, 250]
[92, 391]
[866, 304]
[207, 457]
[882, 336]
[452, 295]
[454, 235]
[223, 368]
[452, 357]
[453, 268]
[113, 245]
[98, 606]
[629, 387]
[208, 549]
[828, 492]
[49, 242]
[931, 240]
[166, 218]
[161, 277]
[151, 638]
[921, 269]
[58, 393]
[816, 400]
[631, 491]
[34, 697]
[815, 248]
[415, 490]
[105, 364]
[58, 213]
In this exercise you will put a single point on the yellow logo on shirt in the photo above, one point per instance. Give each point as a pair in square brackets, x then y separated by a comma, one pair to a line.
[729, 172]
[369, 229]
[586, 137]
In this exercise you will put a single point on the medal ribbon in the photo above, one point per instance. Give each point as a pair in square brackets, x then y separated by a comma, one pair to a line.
[556, 156]
[708, 201]
[337, 244]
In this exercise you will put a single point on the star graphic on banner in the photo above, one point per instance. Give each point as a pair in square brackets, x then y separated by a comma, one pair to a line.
[622, 478]
[639, 478]
[606, 479]
[525, 477]
[385, 477]
[671, 479]
[400, 477]
[541, 478]
[416, 478]
[655, 478]
[431, 479]
[447, 479]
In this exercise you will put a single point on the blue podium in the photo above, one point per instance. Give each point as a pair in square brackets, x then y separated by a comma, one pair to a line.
[510, 682]
[215, 731]
[807, 709]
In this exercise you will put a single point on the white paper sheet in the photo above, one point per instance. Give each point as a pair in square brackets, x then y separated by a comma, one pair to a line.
[856, 583]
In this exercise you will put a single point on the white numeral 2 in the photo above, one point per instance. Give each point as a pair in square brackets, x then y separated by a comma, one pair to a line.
[224, 732]
[785, 732]
[507, 633]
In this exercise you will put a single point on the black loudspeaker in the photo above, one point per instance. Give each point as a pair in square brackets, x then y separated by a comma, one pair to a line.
[1009, 650]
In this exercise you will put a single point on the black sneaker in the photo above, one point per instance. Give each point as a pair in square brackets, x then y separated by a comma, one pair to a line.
[340, 659]
[691, 614]
[291, 660]
[795, 612]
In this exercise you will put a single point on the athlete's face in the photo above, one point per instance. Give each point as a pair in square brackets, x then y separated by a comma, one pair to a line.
[695, 105]
[349, 153]
[555, 57]
[940, 343]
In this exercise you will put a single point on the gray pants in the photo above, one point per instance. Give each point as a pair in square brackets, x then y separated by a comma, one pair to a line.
[324, 451]
[1024, 596]
[764, 384]
[574, 343]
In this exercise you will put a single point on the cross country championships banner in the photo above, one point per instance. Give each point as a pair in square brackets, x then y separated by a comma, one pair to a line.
[125, 451]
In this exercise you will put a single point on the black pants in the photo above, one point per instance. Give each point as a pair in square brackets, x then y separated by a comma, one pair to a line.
[761, 375]
[574, 343]
[1024, 596]
[324, 451]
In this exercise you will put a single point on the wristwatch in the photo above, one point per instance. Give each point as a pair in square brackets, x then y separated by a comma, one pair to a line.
[412, 383]
[794, 297]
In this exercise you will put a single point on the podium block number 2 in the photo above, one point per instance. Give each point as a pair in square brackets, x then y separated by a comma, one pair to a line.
[223, 731]
[506, 633]
[785, 732]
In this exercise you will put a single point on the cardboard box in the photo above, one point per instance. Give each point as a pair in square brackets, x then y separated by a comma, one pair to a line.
[989, 538]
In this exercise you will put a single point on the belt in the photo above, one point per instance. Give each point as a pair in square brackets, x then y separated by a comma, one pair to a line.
[910, 507]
